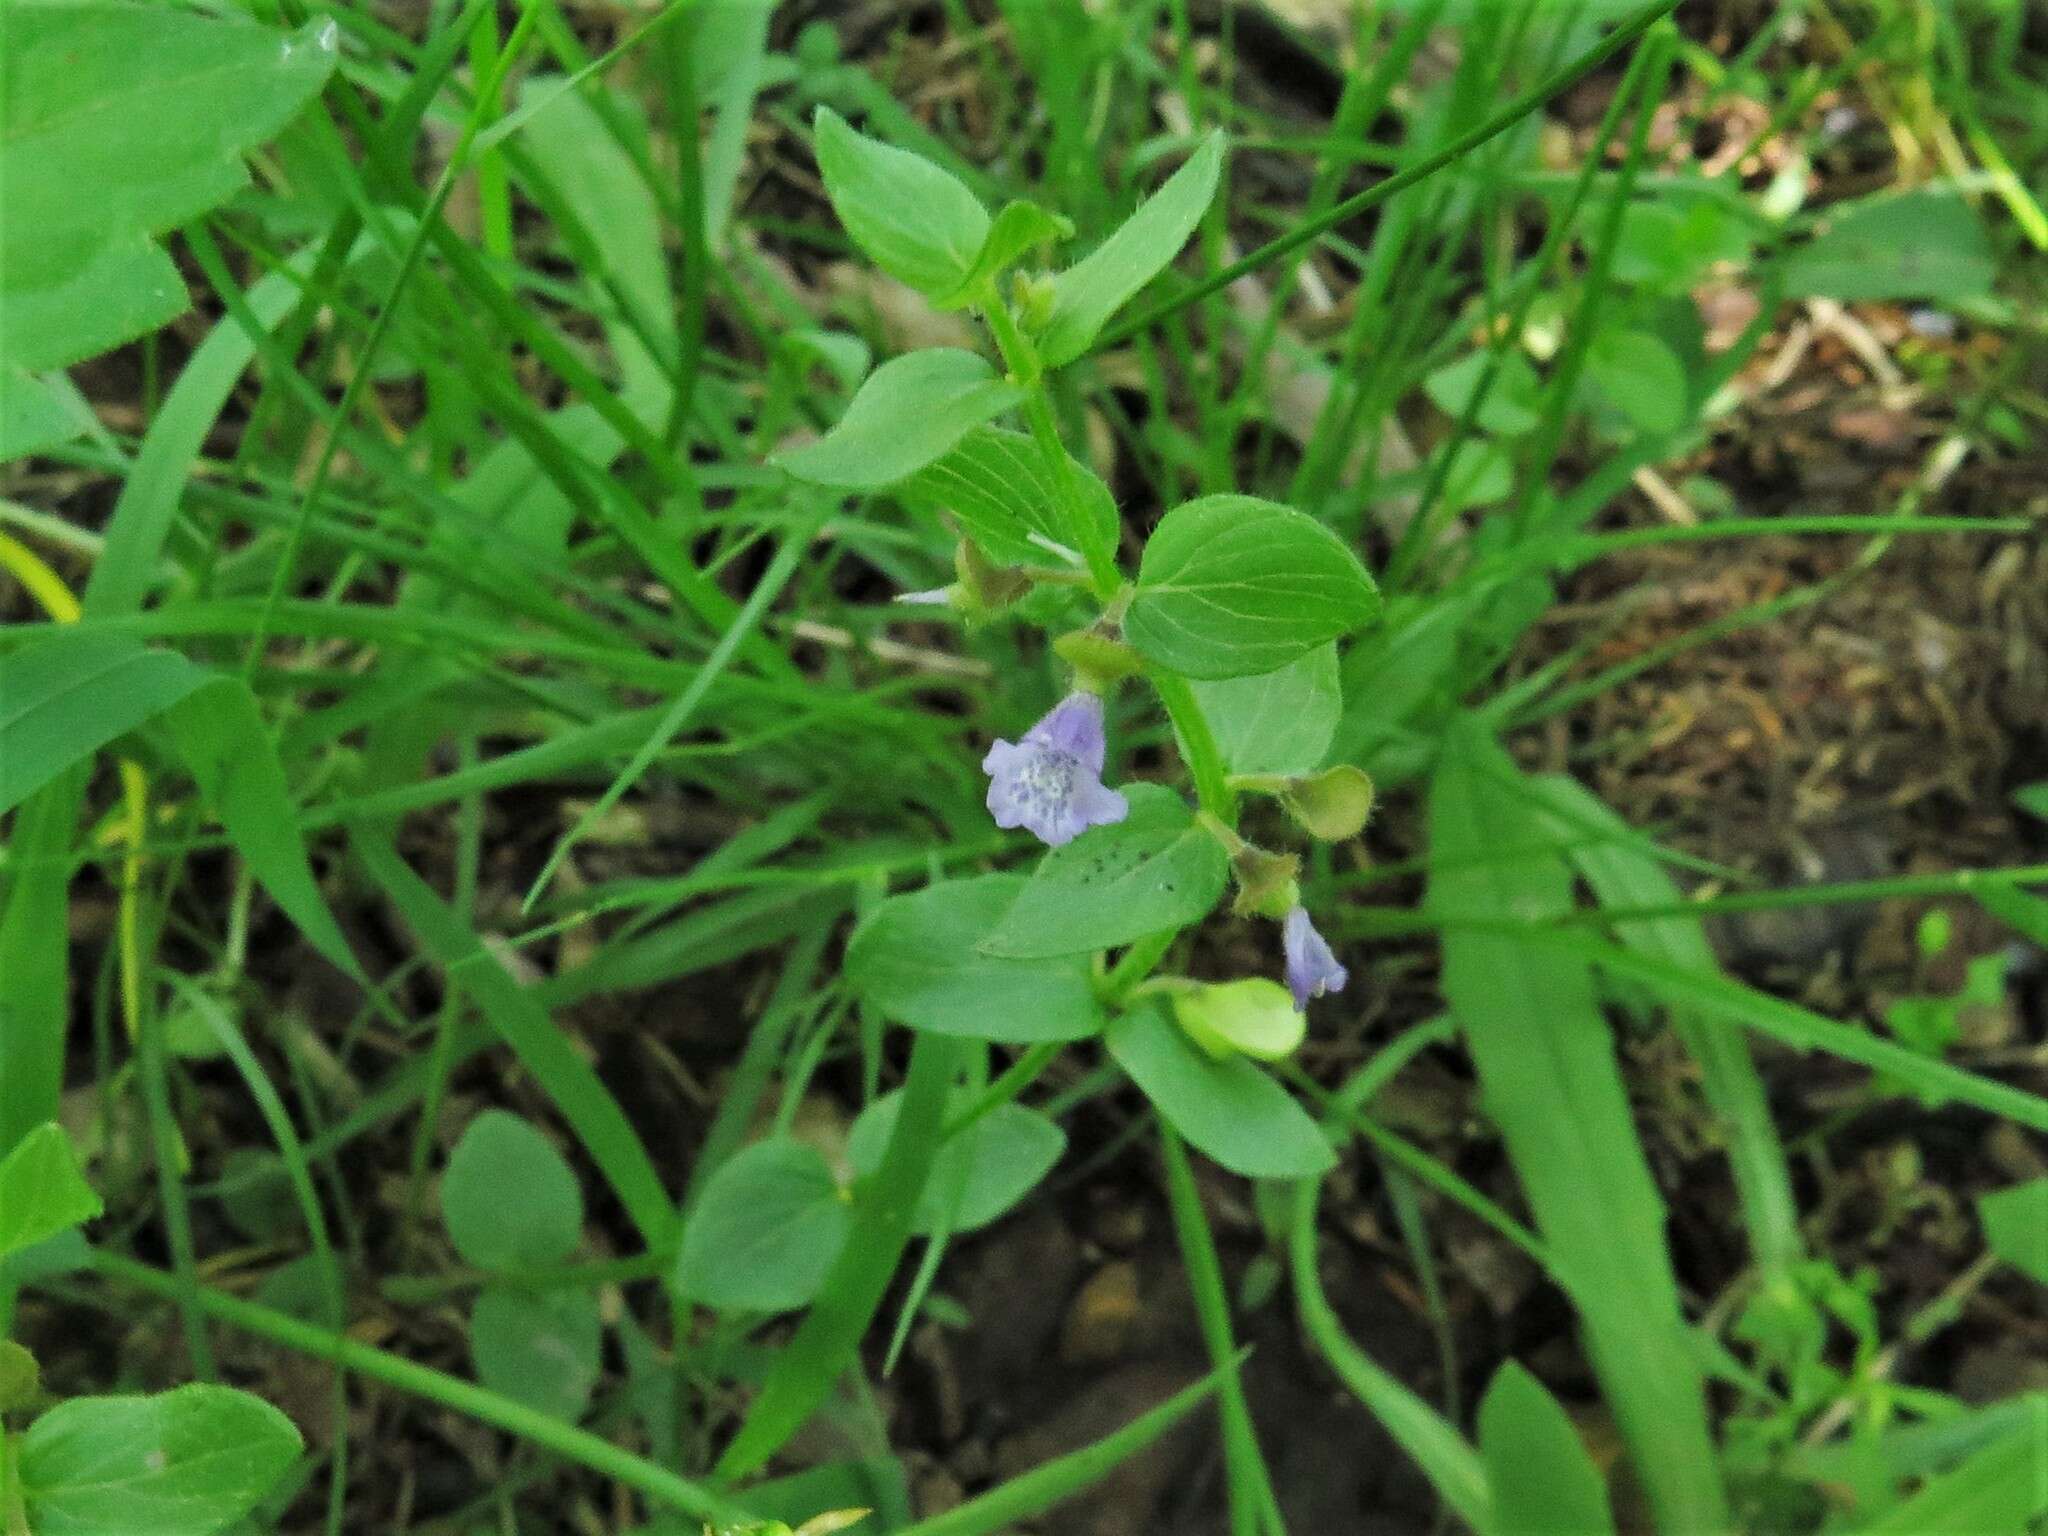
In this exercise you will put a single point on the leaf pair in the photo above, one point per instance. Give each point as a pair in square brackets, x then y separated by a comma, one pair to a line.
[512, 1206]
[923, 227]
[183, 1463]
[773, 1220]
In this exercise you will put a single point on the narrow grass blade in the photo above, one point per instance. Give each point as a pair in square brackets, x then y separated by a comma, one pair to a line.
[1550, 1081]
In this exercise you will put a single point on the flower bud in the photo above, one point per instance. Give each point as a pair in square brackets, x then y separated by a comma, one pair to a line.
[1098, 661]
[1332, 805]
[1254, 1017]
[1266, 882]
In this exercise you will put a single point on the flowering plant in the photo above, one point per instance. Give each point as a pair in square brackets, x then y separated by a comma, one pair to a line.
[1229, 622]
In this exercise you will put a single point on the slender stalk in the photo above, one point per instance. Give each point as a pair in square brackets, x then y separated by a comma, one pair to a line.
[1251, 1488]
[543, 1430]
[1198, 742]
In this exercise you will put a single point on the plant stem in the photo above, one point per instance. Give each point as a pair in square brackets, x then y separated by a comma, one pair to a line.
[551, 1434]
[1251, 1489]
[1021, 358]
[1198, 744]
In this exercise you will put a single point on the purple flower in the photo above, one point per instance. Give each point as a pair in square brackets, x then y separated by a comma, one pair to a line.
[1311, 969]
[1051, 781]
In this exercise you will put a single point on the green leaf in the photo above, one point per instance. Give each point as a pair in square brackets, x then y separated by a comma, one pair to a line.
[36, 414]
[1549, 1078]
[1512, 406]
[1254, 1017]
[916, 961]
[152, 109]
[910, 411]
[1276, 722]
[508, 1198]
[1998, 1490]
[1544, 1483]
[914, 221]
[540, 1348]
[121, 292]
[979, 1173]
[1233, 585]
[1918, 245]
[1641, 377]
[1671, 247]
[183, 1463]
[1157, 869]
[766, 1231]
[71, 694]
[42, 1192]
[2016, 1226]
[1093, 289]
[1229, 1109]
[225, 742]
[1001, 488]
[1019, 227]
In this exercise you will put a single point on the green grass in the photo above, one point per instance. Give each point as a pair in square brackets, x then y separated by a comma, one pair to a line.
[546, 709]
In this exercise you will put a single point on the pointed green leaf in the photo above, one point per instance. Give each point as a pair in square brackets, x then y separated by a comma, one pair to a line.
[914, 221]
[1002, 489]
[1926, 244]
[1155, 870]
[916, 961]
[1089, 292]
[42, 1192]
[2016, 1226]
[910, 411]
[1230, 1109]
[1544, 1483]
[1017, 229]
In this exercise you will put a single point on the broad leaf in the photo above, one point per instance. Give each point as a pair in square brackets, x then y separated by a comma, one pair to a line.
[1641, 377]
[540, 1348]
[1002, 489]
[1276, 722]
[1513, 404]
[1229, 1109]
[1090, 291]
[2016, 1226]
[121, 292]
[1231, 586]
[910, 411]
[71, 694]
[765, 1232]
[915, 960]
[36, 414]
[979, 1173]
[118, 122]
[1544, 1483]
[184, 1463]
[508, 1198]
[42, 1192]
[1919, 245]
[914, 221]
[1157, 869]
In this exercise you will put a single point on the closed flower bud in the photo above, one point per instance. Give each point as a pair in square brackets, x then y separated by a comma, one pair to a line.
[1254, 1017]
[1332, 805]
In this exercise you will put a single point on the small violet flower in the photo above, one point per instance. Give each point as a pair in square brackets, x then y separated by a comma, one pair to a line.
[1051, 781]
[1311, 969]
